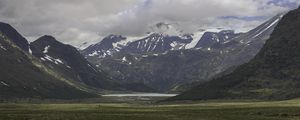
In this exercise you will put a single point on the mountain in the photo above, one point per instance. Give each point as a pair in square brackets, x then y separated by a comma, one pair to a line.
[13, 35]
[154, 43]
[157, 43]
[164, 37]
[68, 61]
[49, 69]
[213, 54]
[210, 39]
[106, 47]
[24, 76]
[272, 74]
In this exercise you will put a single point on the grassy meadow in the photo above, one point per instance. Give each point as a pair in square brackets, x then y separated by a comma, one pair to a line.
[202, 110]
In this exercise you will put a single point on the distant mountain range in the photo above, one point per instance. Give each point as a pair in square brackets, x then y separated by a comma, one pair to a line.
[211, 62]
[47, 68]
[166, 62]
[157, 43]
[272, 74]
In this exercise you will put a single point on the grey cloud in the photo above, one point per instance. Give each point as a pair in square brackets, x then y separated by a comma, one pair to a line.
[34, 18]
[76, 21]
[192, 14]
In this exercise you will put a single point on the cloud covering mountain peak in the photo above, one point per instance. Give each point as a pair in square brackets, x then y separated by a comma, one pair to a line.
[79, 21]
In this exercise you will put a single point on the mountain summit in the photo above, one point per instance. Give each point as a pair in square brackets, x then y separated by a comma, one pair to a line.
[13, 35]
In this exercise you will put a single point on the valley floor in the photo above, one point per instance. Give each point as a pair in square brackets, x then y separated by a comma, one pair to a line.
[208, 110]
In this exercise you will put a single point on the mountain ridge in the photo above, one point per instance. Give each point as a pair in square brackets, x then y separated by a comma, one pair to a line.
[23, 76]
[169, 69]
[272, 74]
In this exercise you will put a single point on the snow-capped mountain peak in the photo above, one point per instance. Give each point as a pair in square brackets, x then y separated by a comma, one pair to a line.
[209, 39]
[155, 43]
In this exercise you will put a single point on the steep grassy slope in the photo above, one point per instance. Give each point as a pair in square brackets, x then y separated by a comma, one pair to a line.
[23, 76]
[273, 74]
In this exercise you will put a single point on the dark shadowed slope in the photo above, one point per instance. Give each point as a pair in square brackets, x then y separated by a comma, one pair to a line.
[14, 36]
[68, 61]
[273, 74]
[23, 76]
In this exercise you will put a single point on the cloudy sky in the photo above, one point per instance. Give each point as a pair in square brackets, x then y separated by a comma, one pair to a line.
[77, 21]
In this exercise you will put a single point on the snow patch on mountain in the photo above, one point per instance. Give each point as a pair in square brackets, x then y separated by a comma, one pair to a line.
[30, 51]
[124, 59]
[2, 47]
[120, 44]
[46, 49]
[177, 45]
[94, 53]
[272, 24]
[198, 35]
[5, 84]
[51, 59]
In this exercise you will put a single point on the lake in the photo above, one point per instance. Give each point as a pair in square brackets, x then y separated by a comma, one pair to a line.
[140, 95]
